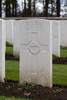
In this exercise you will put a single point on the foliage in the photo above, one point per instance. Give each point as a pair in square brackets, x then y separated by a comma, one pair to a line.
[11, 8]
[28, 87]
[29, 8]
[59, 90]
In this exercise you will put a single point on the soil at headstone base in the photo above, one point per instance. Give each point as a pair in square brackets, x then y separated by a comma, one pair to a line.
[11, 57]
[61, 60]
[41, 93]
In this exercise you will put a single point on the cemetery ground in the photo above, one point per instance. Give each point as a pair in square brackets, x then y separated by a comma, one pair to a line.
[13, 90]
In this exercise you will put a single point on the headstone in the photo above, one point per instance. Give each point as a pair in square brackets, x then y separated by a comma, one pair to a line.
[9, 31]
[63, 31]
[17, 37]
[56, 37]
[2, 50]
[36, 52]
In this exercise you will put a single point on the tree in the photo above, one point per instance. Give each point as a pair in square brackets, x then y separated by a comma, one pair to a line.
[11, 8]
[34, 8]
[25, 7]
[52, 8]
[7, 8]
[0, 8]
[46, 7]
[14, 7]
[29, 7]
[58, 8]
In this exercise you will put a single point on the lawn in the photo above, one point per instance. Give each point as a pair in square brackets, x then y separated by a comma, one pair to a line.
[9, 50]
[12, 70]
[63, 52]
[6, 98]
[60, 74]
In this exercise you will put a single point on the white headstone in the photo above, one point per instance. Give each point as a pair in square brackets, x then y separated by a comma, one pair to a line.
[17, 37]
[9, 31]
[63, 31]
[36, 52]
[2, 50]
[56, 37]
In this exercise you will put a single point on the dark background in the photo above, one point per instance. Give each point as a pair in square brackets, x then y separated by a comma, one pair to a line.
[11, 8]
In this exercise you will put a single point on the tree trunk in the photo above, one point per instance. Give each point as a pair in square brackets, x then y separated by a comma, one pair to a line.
[24, 7]
[58, 8]
[0, 8]
[46, 7]
[29, 7]
[34, 8]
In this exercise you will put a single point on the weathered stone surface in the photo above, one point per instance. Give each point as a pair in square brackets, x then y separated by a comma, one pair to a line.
[63, 31]
[56, 37]
[36, 52]
[9, 31]
[2, 50]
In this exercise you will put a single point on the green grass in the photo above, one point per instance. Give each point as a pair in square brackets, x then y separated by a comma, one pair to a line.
[60, 71]
[63, 52]
[12, 98]
[54, 57]
[12, 70]
[9, 50]
[60, 74]
[8, 44]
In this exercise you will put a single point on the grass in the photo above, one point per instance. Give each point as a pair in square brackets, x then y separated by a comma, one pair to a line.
[63, 52]
[60, 70]
[12, 70]
[60, 74]
[54, 57]
[9, 50]
[12, 98]
[8, 44]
